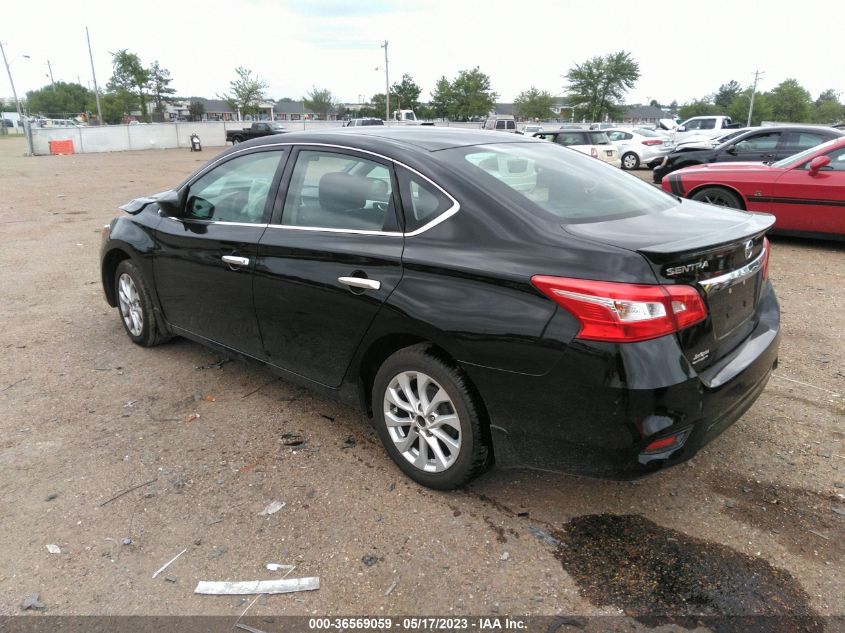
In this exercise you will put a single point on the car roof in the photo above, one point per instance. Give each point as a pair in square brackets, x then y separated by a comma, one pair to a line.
[384, 138]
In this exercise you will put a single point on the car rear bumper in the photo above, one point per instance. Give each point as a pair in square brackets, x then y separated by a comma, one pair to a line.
[603, 404]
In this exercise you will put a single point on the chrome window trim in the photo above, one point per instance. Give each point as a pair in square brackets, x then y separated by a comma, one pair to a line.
[448, 213]
[262, 225]
[740, 274]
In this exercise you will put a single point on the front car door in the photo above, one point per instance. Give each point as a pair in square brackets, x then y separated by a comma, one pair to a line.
[755, 148]
[205, 257]
[328, 261]
[813, 203]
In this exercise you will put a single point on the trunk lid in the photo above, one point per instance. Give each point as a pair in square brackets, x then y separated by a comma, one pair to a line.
[718, 251]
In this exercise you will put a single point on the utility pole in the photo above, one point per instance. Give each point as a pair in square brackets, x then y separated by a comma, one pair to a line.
[94, 75]
[21, 120]
[386, 85]
[757, 75]
[50, 69]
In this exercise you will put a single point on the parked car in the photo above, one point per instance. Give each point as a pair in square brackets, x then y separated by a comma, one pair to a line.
[531, 128]
[639, 146]
[594, 143]
[701, 126]
[363, 122]
[501, 123]
[705, 142]
[805, 192]
[591, 323]
[761, 145]
[256, 130]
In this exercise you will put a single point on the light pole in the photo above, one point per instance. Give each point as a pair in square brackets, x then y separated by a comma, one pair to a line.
[757, 74]
[386, 85]
[15, 95]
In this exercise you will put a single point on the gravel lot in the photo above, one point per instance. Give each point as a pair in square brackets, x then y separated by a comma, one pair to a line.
[84, 415]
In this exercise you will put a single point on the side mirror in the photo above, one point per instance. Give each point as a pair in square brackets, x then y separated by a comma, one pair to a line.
[817, 163]
[170, 203]
[681, 128]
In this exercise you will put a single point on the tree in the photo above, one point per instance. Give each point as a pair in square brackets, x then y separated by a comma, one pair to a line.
[790, 102]
[129, 81]
[726, 94]
[738, 109]
[113, 106]
[673, 107]
[441, 98]
[196, 109]
[60, 100]
[471, 95]
[698, 107]
[534, 104]
[160, 86]
[377, 106]
[654, 103]
[246, 92]
[597, 86]
[320, 101]
[827, 108]
[406, 93]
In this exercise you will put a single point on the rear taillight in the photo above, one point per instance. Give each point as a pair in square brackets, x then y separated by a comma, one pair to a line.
[594, 152]
[619, 312]
[652, 141]
[766, 250]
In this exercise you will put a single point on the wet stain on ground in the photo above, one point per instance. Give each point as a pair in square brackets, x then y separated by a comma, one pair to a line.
[660, 576]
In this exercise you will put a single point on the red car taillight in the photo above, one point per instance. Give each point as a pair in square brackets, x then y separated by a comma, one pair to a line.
[620, 312]
[652, 141]
[766, 251]
[594, 152]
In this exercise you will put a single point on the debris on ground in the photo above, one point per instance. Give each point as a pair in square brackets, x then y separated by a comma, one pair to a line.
[192, 417]
[839, 511]
[279, 567]
[51, 496]
[543, 536]
[327, 417]
[349, 442]
[33, 601]
[54, 549]
[170, 578]
[246, 627]
[272, 508]
[218, 365]
[390, 589]
[218, 552]
[505, 556]
[370, 559]
[127, 491]
[168, 563]
[247, 587]
[127, 541]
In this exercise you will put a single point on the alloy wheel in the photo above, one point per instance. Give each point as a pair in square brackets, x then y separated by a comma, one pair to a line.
[422, 421]
[130, 305]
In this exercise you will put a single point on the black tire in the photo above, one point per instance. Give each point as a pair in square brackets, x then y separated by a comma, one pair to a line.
[473, 455]
[719, 196]
[236, 140]
[635, 164]
[148, 334]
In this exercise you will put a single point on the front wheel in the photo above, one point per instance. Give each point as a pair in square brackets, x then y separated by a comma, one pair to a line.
[429, 419]
[236, 140]
[718, 196]
[136, 306]
[630, 161]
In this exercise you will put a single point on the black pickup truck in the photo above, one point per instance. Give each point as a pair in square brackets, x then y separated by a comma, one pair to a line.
[260, 128]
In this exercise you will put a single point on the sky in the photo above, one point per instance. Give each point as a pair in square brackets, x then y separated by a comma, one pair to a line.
[685, 50]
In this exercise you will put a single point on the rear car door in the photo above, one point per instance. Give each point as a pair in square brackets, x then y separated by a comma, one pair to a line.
[814, 203]
[794, 142]
[328, 261]
[205, 257]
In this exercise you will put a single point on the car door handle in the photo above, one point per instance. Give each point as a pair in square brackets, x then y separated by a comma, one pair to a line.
[234, 260]
[360, 282]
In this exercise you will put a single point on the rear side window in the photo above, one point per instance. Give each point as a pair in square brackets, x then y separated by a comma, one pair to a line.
[338, 191]
[798, 141]
[421, 200]
[599, 138]
[570, 138]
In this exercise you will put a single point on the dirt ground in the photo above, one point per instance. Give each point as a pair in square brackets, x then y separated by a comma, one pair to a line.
[85, 415]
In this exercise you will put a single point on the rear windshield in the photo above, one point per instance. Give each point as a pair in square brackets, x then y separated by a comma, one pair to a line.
[599, 138]
[646, 132]
[372, 122]
[556, 182]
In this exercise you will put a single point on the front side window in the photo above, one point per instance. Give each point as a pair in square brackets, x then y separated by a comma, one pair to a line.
[693, 125]
[708, 124]
[235, 191]
[338, 191]
[758, 142]
[560, 185]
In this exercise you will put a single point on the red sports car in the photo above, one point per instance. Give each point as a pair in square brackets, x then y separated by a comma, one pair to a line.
[805, 192]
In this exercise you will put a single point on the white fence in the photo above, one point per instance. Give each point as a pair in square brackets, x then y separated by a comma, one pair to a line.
[120, 138]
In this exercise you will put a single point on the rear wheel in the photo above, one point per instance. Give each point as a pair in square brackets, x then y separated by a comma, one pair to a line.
[429, 420]
[135, 305]
[630, 161]
[719, 196]
[236, 140]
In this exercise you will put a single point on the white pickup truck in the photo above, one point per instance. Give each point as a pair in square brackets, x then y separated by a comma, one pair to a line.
[703, 127]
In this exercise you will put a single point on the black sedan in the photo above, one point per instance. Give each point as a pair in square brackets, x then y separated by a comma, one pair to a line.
[762, 145]
[483, 299]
